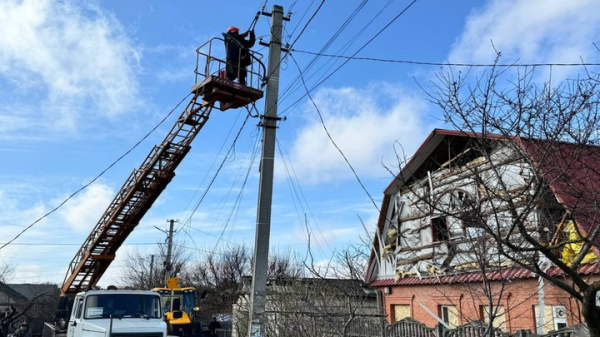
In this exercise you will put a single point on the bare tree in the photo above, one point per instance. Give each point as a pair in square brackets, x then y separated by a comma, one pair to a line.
[285, 265]
[551, 133]
[140, 274]
[219, 274]
[315, 306]
[7, 271]
[329, 300]
[34, 304]
[351, 261]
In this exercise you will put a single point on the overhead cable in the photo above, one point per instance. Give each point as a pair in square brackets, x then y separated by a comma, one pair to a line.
[325, 47]
[355, 53]
[96, 177]
[451, 64]
[296, 40]
[331, 138]
[231, 149]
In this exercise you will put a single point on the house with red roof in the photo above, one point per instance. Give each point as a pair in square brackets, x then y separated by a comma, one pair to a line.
[471, 222]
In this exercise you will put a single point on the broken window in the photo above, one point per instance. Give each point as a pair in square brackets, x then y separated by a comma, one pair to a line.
[439, 227]
[548, 218]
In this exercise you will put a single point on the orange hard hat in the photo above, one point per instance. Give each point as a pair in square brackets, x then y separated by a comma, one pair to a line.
[233, 29]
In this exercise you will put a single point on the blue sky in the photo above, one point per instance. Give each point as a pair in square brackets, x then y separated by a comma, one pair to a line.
[83, 81]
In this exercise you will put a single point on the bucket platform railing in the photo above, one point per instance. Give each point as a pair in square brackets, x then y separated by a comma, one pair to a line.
[211, 80]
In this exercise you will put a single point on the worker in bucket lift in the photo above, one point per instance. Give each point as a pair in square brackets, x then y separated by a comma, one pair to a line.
[237, 51]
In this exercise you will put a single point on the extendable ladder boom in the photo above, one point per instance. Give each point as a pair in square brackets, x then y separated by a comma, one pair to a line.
[146, 183]
[134, 199]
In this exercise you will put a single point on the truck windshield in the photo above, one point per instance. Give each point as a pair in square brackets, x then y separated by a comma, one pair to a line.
[122, 306]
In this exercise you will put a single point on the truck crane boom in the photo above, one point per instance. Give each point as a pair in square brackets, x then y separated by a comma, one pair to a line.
[134, 199]
[146, 183]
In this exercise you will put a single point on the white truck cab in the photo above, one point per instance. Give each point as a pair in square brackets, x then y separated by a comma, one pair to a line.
[116, 313]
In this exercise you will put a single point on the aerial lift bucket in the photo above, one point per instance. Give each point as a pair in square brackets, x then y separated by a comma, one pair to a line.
[212, 83]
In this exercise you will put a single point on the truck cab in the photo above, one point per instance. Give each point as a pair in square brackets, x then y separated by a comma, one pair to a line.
[116, 313]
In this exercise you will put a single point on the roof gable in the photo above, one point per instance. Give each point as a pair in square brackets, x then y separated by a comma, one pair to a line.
[11, 293]
[571, 171]
[438, 149]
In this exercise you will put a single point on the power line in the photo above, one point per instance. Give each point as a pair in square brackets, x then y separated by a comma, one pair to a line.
[292, 5]
[296, 40]
[331, 139]
[207, 233]
[302, 17]
[355, 53]
[231, 148]
[297, 192]
[451, 64]
[237, 202]
[199, 250]
[95, 178]
[212, 165]
[327, 45]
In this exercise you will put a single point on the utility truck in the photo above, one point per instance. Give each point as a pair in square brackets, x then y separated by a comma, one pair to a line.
[116, 313]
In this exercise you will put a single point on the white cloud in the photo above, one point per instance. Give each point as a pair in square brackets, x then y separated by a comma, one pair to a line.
[364, 123]
[71, 56]
[83, 211]
[530, 31]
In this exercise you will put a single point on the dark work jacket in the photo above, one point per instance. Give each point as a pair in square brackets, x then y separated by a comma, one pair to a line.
[237, 48]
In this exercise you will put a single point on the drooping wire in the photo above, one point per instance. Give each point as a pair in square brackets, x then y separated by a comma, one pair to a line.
[236, 205]
[291, 7]
[231, 149]
[212, 165]
[219, 210]
[97, 176]
[302, 17]
[331, 138]
[297, 193]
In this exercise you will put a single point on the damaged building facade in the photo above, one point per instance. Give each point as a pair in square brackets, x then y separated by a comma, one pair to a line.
[434, 256]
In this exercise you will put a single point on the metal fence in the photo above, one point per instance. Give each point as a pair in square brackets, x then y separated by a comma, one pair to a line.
[409, 327]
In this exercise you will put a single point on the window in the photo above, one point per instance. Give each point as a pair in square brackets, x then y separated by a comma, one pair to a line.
[439, 228]
[79, 306]
[449, 314]
[186, 299]
[122, 306]
[497, 313]
[401, 311]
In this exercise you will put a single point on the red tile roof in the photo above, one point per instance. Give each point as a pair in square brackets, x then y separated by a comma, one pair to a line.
[573, 174]
[469, 277]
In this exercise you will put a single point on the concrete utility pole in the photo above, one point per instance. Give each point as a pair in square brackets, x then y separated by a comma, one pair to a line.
[169, 267]
[265, 193]
[151, 270]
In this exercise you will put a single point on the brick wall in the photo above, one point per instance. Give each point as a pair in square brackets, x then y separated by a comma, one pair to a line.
[518, 298]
